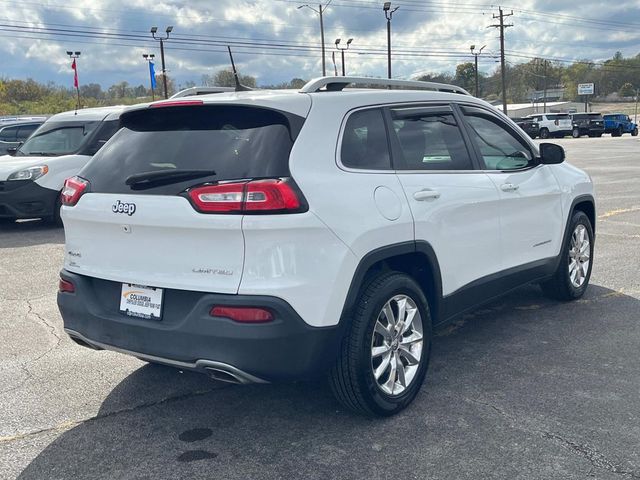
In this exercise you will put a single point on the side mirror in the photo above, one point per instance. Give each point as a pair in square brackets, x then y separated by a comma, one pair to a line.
[12, 151]
[551, 154]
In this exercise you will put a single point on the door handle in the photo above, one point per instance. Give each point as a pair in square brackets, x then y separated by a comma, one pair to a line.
[426, 194]
[509, 187]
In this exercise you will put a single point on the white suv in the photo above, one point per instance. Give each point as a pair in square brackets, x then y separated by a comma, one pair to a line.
[32, 179]
[274, 235]
[553, 124]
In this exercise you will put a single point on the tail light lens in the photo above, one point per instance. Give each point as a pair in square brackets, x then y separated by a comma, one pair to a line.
[556, 122]
[73, 189]
[243, 314]
[65, 286]
[274, 195]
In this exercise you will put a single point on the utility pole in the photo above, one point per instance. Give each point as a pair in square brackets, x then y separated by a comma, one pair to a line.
[476, 55]
[342, 50]
[321, 9]
[502, 26]
[154, 30]
[76, 83]
[635, 118]
[149, 58]
[388, 13]
[544, 89]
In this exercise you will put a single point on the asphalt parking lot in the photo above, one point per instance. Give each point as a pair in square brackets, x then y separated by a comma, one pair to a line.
[522, 388]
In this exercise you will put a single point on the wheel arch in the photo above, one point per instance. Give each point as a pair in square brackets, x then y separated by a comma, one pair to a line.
[415, 258]
[586, 204]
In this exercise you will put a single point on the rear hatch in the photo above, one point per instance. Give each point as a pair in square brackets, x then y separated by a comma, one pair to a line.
[160, 204]
[563, 121]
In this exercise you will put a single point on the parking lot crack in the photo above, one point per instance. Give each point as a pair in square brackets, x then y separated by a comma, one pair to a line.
[74, 423]
[597, 459]
[49, 326]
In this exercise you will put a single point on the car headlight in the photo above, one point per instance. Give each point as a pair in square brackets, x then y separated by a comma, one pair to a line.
[31, 173]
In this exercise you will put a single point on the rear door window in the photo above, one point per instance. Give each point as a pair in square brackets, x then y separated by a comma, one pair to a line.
[430, 139]
[25, 131]
[235, 142]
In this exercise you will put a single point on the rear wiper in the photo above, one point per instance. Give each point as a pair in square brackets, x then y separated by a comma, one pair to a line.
[165, 177]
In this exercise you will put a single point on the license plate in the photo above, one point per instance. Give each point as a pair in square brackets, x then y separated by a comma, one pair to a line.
[140, 301]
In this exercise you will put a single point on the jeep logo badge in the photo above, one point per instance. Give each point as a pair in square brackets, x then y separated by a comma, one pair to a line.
[120, 207]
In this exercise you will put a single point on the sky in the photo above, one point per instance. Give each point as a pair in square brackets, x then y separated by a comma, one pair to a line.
[275, 41]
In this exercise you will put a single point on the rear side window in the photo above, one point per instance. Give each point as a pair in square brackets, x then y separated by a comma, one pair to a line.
[364, 141]
[430, 141]
[235, 142]
[8, 134]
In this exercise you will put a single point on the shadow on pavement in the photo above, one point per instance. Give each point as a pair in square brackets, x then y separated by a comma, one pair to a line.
[523, 388]
[29, 233]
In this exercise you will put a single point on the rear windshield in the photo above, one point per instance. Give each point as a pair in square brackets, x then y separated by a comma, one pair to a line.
[587, 116]
[58, 138]
[235, 142]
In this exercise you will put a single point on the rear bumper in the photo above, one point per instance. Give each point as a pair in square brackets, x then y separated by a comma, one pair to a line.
[26, 199]
[188, 337]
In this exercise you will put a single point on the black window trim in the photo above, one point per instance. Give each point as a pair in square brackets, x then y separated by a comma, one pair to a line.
[500, 121]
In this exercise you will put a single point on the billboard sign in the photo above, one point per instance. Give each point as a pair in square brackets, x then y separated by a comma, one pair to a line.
[585, 89]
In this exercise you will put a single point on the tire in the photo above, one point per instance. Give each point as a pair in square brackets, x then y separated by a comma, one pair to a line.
[634, 132]
[617, 132]
[353, 376]
[575, 133]
[561, 286]
[544, 133]
[55, 219]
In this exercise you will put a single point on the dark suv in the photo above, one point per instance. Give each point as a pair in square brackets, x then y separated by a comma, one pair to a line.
[529, 125]
[591, 124]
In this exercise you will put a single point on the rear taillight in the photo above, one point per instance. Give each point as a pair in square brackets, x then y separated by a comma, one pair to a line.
[65, 286]
[243, 314]
[273, 195]
[73, 189]
[556, 122]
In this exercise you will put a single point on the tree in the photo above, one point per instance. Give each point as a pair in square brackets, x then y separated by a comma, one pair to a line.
[627, 90]
[225, 78]
[465, 76]
[91, 90]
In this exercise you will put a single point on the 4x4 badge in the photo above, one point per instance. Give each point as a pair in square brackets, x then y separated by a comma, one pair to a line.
[121, 207]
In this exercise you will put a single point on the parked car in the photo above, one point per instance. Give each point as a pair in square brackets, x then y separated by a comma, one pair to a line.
[618, 123]
[31, 181]
[591, 124]
[12, 135]
[553, 124]
[276, 235]
[197, 91]
[530, 126]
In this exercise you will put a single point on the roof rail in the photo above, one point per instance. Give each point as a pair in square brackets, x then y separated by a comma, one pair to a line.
[194, 91]
[336, 84]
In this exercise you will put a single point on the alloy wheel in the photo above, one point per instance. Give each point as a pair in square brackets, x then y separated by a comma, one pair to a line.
[579, 256]
[396, 345]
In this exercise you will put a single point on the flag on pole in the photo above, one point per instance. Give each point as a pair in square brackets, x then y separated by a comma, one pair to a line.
[152, 73]
[75, 73]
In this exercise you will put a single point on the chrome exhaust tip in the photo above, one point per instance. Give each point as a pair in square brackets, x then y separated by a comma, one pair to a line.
[223, 376]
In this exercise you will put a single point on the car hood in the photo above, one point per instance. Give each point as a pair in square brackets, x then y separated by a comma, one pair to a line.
[10, 164]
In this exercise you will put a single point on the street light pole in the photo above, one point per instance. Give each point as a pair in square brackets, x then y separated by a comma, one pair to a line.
[388, 13]
[149, 58]
[476, 55]
[321, 9]
[154, 30]
[76, 81]
[342, 50]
